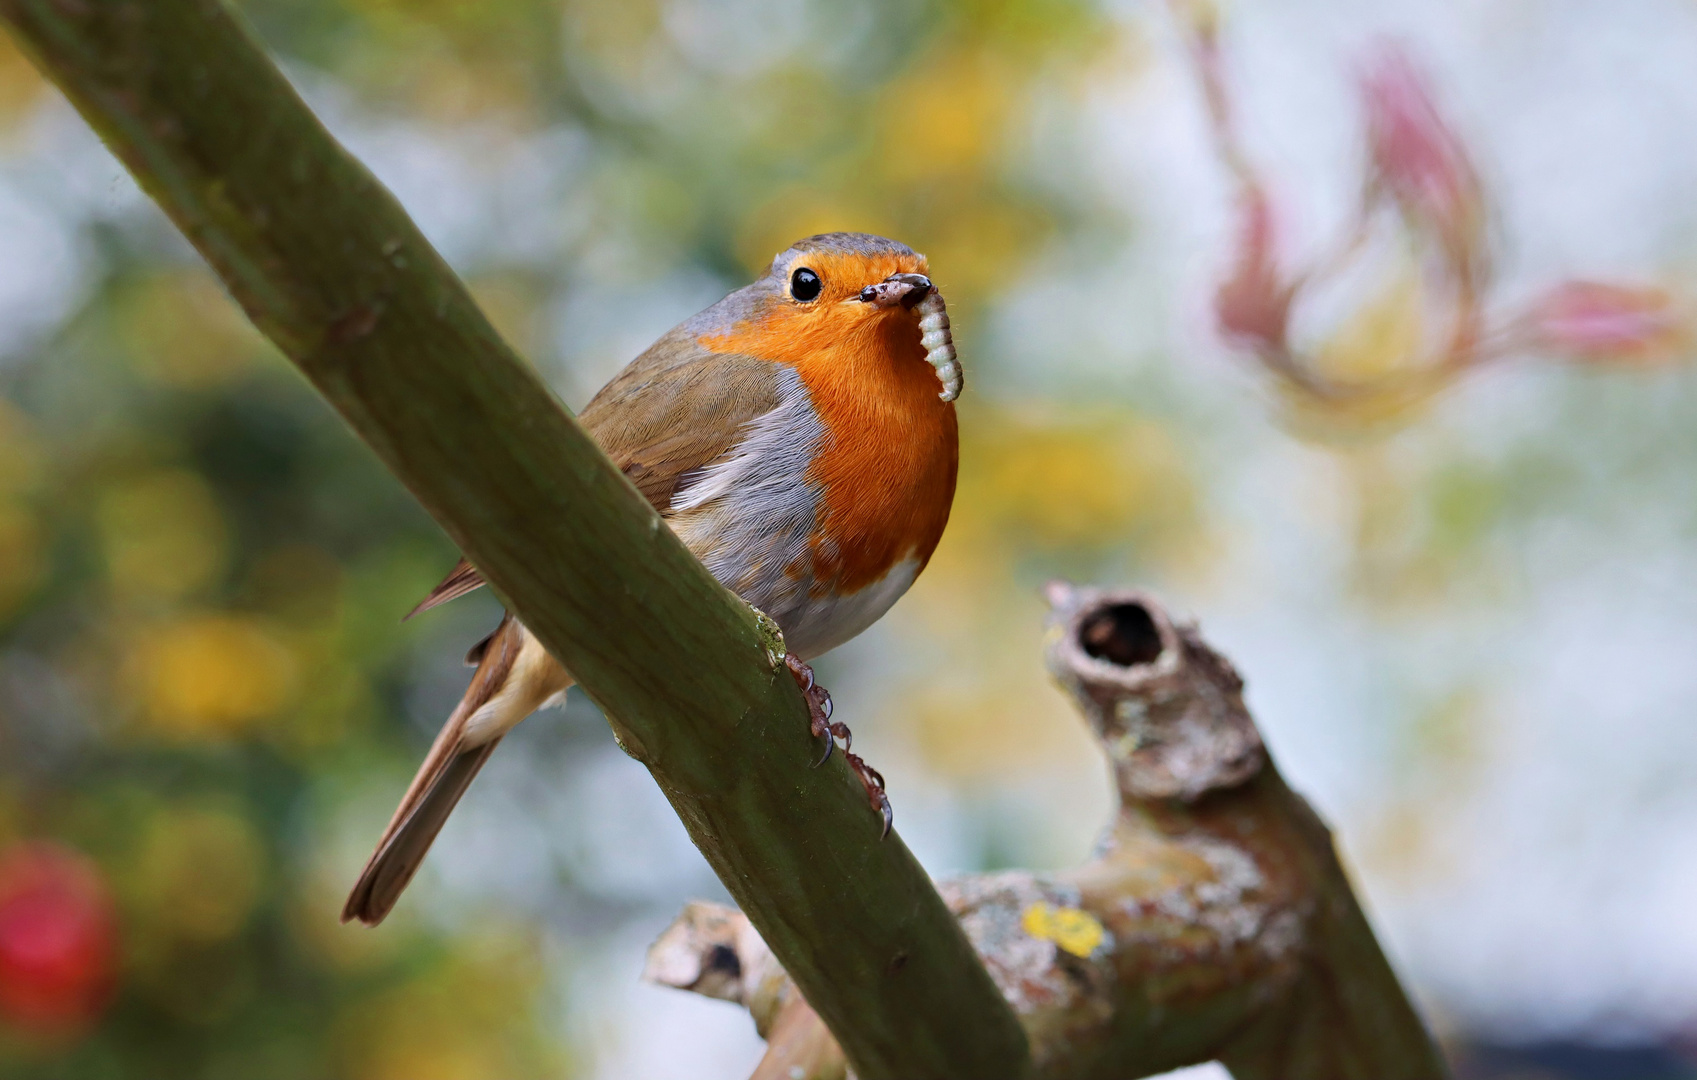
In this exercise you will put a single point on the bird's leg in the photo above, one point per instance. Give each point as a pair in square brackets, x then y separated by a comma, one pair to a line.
[819, 710]
[817, 697]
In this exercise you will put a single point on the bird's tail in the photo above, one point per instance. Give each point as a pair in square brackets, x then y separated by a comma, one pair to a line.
[515, 677]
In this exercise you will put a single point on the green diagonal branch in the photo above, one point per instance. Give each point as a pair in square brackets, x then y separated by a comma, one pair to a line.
[329, 266]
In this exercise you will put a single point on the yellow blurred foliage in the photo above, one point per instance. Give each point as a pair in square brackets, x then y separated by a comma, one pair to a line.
[12, 814]
[619, 35]
[804, 210]
[209, 676]
[945, 118]
[23, 559]
[21, 455]
[23, 554]
[1070, 480]
[341, 699]
[449, 60]
[20, 85]
[1356, 418]
[315, 898]
[1030, 32]
[927, 173]
[1010, 719]
[977, 242]
[1041, 492]
[197, 874]
[1384, 335]
[461, 1020]
[184, 331]
[163, 536]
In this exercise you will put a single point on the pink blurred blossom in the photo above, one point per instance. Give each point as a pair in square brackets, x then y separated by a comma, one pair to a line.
[1597, 321]
[1253, 305]
[1417, 159]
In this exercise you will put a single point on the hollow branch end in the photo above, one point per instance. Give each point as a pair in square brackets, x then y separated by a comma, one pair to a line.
[1167, 708]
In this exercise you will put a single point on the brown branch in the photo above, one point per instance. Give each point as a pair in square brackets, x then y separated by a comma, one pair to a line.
[1214, 922]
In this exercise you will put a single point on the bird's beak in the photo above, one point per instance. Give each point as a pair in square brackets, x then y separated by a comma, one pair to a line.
[908, 290]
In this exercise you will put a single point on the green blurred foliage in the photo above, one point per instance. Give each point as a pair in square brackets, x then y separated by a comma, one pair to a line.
[203, 569]
[200, 570]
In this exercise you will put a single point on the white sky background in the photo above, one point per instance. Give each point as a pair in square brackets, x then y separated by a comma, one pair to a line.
[1560, 897]
[1557, 879]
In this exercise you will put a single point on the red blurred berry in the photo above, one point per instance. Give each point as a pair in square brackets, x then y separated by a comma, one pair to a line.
[58, 939]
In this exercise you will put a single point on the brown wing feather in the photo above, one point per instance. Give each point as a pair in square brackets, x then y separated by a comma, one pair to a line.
[462, 579]
[670, 413]
[677, 409]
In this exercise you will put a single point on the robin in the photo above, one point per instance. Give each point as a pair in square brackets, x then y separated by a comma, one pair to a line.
[793, 435]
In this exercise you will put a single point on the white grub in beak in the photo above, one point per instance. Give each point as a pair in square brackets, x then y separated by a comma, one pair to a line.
[939, 344]
[916, 293]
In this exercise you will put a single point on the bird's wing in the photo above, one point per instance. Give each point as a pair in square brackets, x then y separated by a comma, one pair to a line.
[670, 413]
[677, 409]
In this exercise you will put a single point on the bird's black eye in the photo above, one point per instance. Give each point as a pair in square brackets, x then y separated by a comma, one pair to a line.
[805, 284]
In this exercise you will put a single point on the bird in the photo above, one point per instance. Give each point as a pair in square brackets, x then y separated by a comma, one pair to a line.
[799, 436]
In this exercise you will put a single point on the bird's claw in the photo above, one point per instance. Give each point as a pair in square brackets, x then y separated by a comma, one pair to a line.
[819, 710]
[873, 780]
[819, 707]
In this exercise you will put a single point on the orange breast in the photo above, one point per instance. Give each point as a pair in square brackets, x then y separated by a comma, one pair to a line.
[888, 461]
[888, 464]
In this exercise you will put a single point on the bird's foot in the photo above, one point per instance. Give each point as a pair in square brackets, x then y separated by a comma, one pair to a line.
[819, 712]
[818, 707]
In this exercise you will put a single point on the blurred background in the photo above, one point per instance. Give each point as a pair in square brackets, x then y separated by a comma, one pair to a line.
[1463, 593]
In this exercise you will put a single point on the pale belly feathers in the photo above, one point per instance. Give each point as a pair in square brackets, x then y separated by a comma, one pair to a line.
[750, 519]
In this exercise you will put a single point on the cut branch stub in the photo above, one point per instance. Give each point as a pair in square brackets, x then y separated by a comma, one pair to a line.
[1168, 709]
[715, 951]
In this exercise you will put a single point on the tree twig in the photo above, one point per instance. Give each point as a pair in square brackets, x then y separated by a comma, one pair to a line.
[327, 264]
[1422, 216]
[1214, 922]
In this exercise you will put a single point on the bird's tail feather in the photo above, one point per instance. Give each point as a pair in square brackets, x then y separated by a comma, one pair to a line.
[515, 677]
